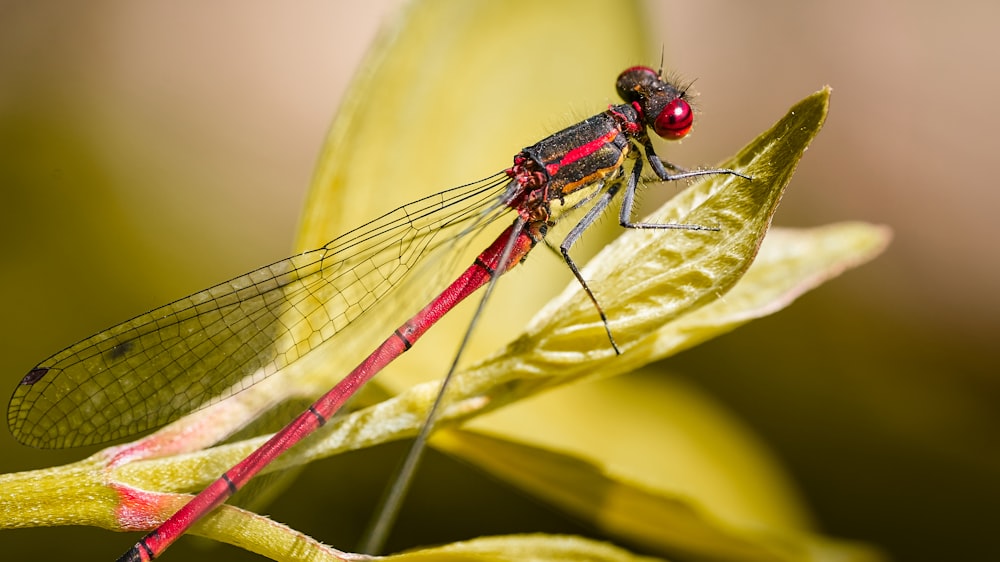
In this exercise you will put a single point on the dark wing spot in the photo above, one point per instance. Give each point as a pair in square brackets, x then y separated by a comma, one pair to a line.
[119, 351]
[35, 375]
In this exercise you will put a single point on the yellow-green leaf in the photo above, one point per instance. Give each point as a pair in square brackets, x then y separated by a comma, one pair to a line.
[524, 548]
[654, 520]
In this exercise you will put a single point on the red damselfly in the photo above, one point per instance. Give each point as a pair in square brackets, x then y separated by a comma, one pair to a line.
[164, 364]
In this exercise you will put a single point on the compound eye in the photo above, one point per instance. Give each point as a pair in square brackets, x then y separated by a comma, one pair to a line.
[675, 121]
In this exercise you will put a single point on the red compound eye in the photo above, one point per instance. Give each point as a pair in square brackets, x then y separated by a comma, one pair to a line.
[675, 121]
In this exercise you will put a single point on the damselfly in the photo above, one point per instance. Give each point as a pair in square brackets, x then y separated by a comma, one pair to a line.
[175, 359]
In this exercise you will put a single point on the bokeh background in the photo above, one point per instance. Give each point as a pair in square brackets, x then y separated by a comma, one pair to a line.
[149, 150]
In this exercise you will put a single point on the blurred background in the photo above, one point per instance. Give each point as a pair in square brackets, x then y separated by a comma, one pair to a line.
[150, 150]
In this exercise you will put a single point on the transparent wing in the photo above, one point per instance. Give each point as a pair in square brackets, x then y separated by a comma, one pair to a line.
[178, 358]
